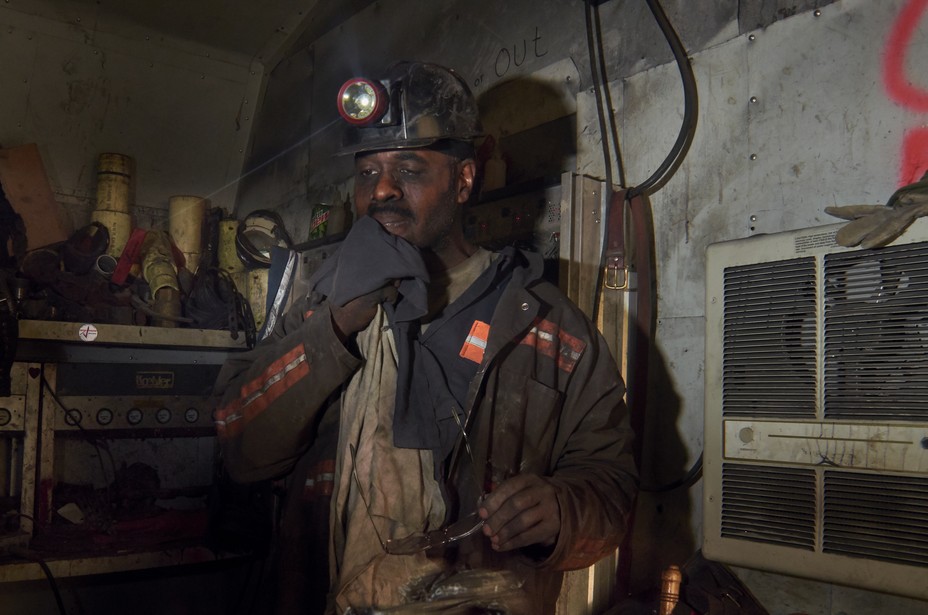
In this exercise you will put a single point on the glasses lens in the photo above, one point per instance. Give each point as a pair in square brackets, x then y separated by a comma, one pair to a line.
[460, 529]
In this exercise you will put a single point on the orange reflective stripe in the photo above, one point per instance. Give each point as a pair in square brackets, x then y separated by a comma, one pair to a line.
[321, 481]
[553, 342]
[476, 342]
[255, 396]
[570, 350]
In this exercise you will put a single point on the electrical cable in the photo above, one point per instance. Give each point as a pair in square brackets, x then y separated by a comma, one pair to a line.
[669, 166]
[691, 476]
[690, 107]
[665, 170]
[604, 100]
[601, 83]
[31, 556]
[89, 438]
[596, 73]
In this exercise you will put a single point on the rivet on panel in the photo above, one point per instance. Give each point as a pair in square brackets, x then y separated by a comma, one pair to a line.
[753, 218]
[753, 156]
[524, 307]
[754, 100]
[752, 37]
[817, 13]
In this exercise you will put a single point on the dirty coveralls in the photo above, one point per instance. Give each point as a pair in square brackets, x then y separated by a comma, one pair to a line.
[545, 398]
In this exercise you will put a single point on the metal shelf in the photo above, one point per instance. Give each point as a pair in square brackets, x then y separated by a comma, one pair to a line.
[127, 335]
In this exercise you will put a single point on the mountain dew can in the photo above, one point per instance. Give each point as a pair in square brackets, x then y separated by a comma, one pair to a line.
[319, 221]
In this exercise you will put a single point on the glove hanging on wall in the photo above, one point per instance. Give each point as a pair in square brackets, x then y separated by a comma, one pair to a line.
[874, 226]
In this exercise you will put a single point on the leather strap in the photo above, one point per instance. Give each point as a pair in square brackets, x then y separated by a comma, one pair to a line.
[615, 274]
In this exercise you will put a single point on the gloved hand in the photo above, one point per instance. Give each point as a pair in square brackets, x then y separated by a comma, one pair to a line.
[874, 226]
[360, 311]
[368, 263]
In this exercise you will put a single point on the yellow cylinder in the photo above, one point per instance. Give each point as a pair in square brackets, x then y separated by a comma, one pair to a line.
[228, 253]
[114, 175]
[185, 224]
[158, 262]
[118, 225]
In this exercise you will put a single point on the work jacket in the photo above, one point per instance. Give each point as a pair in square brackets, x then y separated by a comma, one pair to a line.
[547, 399]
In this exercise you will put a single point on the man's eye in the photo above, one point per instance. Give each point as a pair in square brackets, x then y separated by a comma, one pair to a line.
[367, 172]
[408, 171]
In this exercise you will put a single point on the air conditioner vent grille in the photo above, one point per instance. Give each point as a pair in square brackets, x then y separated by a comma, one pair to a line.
[876, 334]
[876, 516]
[769, 356]
[768, 504]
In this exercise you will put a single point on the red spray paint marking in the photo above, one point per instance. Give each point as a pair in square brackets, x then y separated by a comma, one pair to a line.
[900, 89]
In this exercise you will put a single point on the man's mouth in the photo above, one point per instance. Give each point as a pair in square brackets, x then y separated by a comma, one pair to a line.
[391, 218]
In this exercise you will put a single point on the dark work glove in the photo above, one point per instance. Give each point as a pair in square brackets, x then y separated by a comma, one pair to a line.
[368, 260]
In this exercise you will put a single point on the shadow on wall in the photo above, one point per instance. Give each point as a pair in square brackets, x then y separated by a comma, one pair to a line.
[531, 125]
[662, 534]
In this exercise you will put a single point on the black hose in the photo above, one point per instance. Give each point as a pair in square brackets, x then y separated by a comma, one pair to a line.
[666, 169]
[33, 557]
[686, 480]
[600, 84]
[690, 107]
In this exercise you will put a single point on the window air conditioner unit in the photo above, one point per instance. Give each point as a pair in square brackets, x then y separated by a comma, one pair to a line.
[816, 415]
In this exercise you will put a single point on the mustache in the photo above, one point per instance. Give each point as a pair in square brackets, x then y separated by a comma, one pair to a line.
[391, 208]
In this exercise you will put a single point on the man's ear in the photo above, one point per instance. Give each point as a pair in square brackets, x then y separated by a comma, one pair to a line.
[467, 173]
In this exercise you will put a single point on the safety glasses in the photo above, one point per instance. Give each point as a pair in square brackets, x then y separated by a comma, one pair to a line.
[423, 541]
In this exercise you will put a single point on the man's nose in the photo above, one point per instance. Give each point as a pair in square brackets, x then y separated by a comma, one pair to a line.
[386, 189]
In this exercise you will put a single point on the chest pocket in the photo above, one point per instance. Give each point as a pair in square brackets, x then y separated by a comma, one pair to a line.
[525, 420]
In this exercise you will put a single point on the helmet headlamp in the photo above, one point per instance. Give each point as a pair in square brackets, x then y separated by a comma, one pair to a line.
[362, 101]
[415, 104]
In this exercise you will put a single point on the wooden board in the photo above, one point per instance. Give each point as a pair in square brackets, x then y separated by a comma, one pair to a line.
[26, 186]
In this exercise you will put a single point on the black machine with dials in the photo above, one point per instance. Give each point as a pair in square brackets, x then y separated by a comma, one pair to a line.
[109, 452]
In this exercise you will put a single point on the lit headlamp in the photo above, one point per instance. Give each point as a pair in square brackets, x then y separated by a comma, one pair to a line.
[362, 101]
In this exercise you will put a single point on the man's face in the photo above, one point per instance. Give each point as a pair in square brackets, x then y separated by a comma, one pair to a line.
[416, 194]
